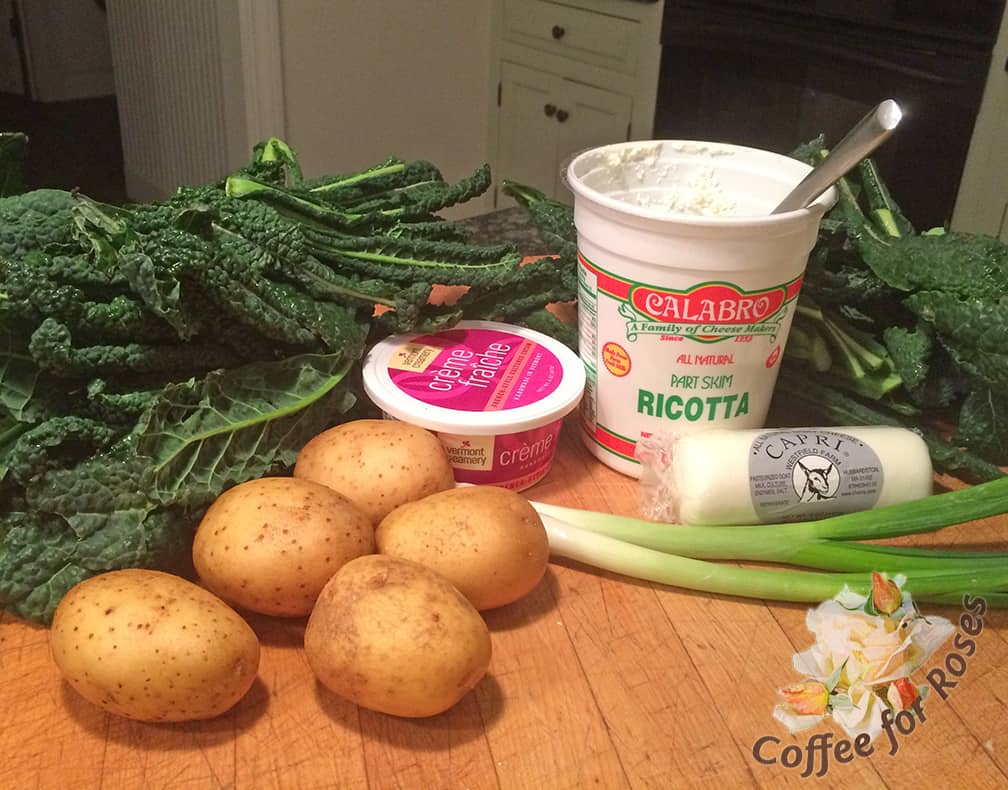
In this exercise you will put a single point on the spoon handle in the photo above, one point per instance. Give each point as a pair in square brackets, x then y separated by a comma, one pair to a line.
[858, 143]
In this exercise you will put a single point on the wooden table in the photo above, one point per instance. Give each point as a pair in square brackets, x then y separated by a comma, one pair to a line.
[596, 682]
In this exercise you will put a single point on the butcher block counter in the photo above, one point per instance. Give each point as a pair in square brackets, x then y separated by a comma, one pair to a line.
[596, 681]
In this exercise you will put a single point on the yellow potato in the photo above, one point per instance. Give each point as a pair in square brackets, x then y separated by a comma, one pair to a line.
[270, 545]
[488, 542]
[393, 636]
[377, 464]
[151, 646]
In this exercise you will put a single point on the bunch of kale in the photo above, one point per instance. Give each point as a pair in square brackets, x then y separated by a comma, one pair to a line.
[903, 328]
[153, 355]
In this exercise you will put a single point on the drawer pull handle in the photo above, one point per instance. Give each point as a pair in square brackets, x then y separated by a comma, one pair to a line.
[558, 32]
[562, 115]
[549, 109]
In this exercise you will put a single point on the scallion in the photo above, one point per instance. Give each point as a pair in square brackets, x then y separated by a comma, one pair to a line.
[678, 554]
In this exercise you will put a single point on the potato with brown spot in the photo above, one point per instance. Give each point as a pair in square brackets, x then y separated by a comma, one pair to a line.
[393, 636]
[270, 545]
[488, 542]
[153, 647]
[377, 464]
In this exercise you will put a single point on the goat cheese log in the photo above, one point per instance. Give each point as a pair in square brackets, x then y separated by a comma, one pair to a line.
[778, 475]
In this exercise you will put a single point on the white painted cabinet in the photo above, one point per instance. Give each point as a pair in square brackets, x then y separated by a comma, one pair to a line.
[982, 203]
[66, 46]
[568, 76]
[365, 80]
[545, 119]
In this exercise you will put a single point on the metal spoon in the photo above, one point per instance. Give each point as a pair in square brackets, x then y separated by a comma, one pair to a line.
[859, 142]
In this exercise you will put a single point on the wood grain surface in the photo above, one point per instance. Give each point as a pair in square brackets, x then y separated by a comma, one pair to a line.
[596, 682]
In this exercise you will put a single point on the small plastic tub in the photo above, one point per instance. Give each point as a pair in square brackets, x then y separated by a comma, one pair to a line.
[494, 394]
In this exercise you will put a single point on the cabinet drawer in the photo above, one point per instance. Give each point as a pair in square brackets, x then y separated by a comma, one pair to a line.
[576, 33]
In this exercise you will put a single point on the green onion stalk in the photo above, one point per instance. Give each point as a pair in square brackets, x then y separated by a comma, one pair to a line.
[679, 555]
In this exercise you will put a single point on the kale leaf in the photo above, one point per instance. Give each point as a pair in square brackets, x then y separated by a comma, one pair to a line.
[153, 355]
[974, 331]
[38, 220]
[910, 352]
[953, 263]
[136, 504]
[983, 422]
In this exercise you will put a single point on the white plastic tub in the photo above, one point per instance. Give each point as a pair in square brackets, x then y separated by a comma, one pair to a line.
[495, 395]
[687, 286]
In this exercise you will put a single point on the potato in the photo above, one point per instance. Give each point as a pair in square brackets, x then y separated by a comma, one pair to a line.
[488, 542]
[377, 464]
[270, 545]
[393, 636]
[151, 646]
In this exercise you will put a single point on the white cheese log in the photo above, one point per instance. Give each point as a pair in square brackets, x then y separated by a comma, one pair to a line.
[780, 475]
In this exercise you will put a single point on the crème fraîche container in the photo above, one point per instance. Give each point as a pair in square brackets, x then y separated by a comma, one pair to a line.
[494, 394]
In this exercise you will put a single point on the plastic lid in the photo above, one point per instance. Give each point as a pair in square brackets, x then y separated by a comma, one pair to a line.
[477, 378]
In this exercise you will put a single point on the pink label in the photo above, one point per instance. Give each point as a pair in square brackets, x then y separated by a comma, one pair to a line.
[475, 370]
[513, 460]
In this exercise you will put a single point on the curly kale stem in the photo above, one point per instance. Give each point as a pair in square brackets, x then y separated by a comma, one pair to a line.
[357, 178]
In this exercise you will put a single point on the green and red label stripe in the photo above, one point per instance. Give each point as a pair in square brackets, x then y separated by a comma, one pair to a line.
[613, 442]
[608, 283]
[620, 288]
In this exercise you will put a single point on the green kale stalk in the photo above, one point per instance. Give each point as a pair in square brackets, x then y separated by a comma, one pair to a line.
[153, 355]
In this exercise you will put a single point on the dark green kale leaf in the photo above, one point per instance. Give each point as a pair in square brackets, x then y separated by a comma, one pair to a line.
[554, 220]
[973, 331]
[957, 264]
[41, 558]
[161, 292]
[36, 555]
[37, 220]
[19, 376]
[910, 352]
[49, 445]
[983, 424]
[52, 348]
[137, 503]
[390, 185]
[544, 321]
[811, 152]
[536, 285]
[11, 430]
[944, 384]
[203, 436]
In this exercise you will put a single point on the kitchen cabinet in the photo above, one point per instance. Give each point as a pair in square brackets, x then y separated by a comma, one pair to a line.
[547, 119]
[348, 84]
[365, 80]
[65, 48]
[568, 76]
[982, 203]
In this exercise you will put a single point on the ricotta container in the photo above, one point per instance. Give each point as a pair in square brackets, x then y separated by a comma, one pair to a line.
[687, 286]
[494, 394]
